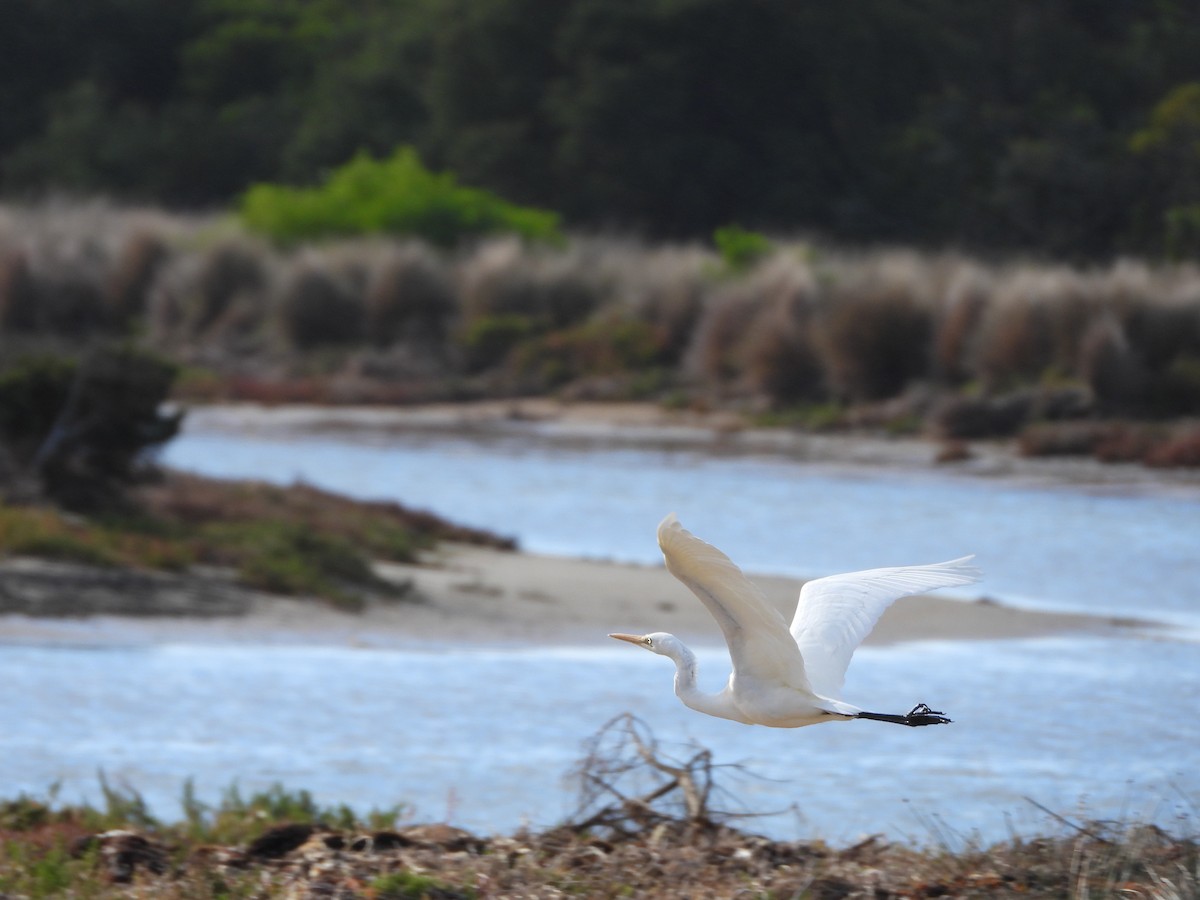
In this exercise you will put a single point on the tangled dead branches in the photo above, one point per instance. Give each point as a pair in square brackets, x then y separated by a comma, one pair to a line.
[628, 785]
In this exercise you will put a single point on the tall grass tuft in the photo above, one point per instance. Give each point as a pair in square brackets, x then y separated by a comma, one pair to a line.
[549, 289]
[962, 308]
[195, 297]
[1014, 343]
[779, 351]
[133, 270]
[725, 318]
[410, 299]
[227, 272]
[991, 346]
[876, 331]
[663, 286]
[320, 306]
[1109, 366]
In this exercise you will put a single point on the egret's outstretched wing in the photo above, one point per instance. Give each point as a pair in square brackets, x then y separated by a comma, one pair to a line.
[836, 613]
[759, 643]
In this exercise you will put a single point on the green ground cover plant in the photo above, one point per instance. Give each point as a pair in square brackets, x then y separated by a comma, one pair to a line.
[295, 540]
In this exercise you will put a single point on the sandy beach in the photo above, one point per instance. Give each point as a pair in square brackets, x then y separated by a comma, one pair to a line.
[468, 594]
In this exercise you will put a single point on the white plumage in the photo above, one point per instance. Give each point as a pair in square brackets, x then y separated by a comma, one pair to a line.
[787, 677]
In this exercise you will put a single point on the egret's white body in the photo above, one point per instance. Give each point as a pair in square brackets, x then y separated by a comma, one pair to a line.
[787, 677]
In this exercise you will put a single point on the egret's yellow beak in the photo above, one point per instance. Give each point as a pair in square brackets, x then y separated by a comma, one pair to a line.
[631, 638]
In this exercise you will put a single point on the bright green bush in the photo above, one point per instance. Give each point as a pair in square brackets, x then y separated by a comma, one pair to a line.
[397, 195]
[740, 248]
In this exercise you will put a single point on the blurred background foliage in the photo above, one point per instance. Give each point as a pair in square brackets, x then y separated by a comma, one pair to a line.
[1067, 127]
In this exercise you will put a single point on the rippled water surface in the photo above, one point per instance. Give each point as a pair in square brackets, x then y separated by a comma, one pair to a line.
[484, 736]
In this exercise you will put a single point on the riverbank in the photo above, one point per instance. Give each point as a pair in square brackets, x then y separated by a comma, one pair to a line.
[653, 426]
[469, 593]
[282, 845]
[465, 594]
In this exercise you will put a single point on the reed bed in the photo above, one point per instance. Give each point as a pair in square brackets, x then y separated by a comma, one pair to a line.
[958, 346]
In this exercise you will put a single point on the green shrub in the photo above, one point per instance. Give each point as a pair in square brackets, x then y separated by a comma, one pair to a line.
[397, 195]
[76, 433]
[43, 532]
[285, 558]
[411, 886]
[740, 248]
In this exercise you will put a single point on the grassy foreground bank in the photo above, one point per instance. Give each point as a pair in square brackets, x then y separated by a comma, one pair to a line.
[280, 844]
[646, 826]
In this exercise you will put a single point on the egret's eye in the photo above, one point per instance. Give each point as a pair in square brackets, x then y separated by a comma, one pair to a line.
[648, 642]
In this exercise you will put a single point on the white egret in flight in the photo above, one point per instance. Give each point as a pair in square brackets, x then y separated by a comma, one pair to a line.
[787, 678]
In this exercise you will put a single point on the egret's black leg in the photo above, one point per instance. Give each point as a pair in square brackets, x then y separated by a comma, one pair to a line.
[919, 715]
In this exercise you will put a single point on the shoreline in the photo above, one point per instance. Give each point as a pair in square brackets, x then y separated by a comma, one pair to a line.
[465, 595]
[642, 425]
[472, 596]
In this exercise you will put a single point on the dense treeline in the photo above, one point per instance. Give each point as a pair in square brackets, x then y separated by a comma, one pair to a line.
[1069, 128]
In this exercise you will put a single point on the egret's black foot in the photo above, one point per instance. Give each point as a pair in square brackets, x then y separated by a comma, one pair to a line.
[919, 715]
[923, 715]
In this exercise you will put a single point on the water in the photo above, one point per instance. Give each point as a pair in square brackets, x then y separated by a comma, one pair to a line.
[1081, 550]
[483, 736]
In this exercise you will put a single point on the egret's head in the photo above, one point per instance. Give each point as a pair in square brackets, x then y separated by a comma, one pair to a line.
[658, 642]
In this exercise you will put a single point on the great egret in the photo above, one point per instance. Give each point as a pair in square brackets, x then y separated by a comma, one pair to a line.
[787, 678]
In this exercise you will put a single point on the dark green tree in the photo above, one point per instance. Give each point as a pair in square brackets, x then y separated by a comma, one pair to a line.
[78, 433]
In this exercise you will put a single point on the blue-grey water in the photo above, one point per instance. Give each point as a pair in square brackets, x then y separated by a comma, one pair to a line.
[483, 736]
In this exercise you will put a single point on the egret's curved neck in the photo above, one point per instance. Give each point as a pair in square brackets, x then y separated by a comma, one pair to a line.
[719, 705]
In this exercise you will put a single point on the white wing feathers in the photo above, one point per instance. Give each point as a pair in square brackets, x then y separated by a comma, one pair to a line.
[760, 646]
[836, 613]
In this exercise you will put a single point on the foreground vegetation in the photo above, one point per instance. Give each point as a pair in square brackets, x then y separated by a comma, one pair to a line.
[647, 826]
[1102, 360]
